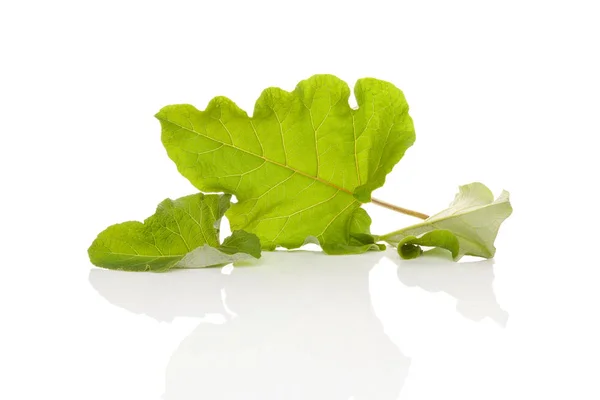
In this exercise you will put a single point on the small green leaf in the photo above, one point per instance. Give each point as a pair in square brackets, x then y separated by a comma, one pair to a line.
[183, 233]
[409, 247]
[409, 251]
[302, 165]
[468, 227]
[241, 241]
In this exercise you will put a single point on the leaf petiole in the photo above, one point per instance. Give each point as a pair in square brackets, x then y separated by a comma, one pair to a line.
[399, 209]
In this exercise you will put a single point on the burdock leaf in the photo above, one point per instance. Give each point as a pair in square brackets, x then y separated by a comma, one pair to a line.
[183, 233]
[302, 165]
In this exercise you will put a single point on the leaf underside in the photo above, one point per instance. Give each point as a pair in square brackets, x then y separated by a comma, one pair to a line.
[183, 233]
[469, 226]
[302, 165]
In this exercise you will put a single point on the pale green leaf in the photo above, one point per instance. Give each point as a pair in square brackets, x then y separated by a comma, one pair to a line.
[302, 165]
[183, 233]
[472, 221]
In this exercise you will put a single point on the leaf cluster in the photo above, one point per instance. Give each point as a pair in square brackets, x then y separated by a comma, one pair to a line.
[300, 168]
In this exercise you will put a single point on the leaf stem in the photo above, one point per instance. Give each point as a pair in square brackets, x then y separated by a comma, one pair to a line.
[400, 209]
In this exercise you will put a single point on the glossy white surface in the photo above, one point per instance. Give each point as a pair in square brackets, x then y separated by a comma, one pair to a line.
[304, 325]
[503, 93]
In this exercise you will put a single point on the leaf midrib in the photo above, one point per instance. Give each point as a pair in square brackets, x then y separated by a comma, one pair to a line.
[133, 255]
[316, 178]
[461, 213]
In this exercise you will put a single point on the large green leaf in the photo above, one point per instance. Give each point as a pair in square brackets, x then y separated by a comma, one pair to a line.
[183, 233]
[301, 166]
[468, 227]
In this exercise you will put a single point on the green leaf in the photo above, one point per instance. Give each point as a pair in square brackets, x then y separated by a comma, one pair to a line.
[301, 166]
[410, 246]
[468, 227]
[183, 233]
[241, 241]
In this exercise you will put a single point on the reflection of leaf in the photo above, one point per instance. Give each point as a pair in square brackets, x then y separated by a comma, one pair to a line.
[183, 233]
[289, 336]
[302, 165]
[468, 227]
[471, 283]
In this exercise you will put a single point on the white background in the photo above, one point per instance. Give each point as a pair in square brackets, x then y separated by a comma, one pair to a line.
[503, 92]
